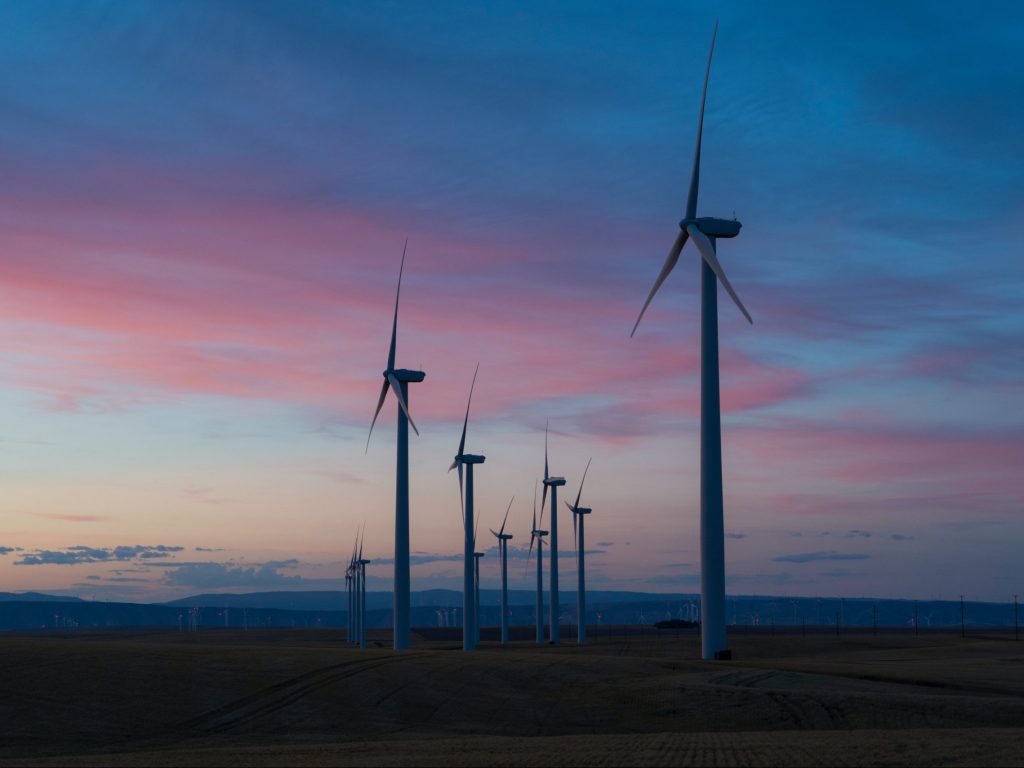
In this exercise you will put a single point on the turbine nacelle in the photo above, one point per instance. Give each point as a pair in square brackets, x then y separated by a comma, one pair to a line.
[479, 554]
[404, 375]
[469, 458]
[581, 510]
[502, 536]
[554, 481]
[712, 227]
[539, 534]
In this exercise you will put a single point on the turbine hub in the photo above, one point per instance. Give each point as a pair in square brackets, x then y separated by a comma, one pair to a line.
[555, 481]
[470, 458]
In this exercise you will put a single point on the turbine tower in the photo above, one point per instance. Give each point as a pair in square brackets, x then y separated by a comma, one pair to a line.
[705, 232]
[581, 573]
[554, 483]
[362, 563]
[503, 539]
[398, 380]
[538, 535]
[350, 633]
[476, 595]
[462, 458]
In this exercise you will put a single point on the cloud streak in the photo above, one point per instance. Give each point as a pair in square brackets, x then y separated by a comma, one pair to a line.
[813, 557]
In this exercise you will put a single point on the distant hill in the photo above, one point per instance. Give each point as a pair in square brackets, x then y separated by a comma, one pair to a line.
[334, 600]
[87, 614]
[36, 597]
[443, 608]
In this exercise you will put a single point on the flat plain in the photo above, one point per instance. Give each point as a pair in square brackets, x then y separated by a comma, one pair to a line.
[303, 697]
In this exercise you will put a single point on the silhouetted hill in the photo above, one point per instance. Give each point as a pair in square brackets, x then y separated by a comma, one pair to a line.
[443, 608]
[332, 600]
[37, 597]
[83, 614]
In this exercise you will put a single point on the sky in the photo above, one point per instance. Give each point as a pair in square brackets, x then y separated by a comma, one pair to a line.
[202, 212]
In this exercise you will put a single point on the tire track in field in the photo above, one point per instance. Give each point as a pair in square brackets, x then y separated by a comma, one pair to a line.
[281, 695]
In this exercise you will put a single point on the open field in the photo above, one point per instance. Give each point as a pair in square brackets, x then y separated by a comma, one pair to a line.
[301, 697]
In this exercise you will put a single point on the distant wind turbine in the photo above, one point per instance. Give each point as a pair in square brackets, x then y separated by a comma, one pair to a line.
[362, 563]
[350, 633]
[554, 483]
[503, 539]
[398, 380]
[538, 535]
[705, 232]
[469, 618]
[581, 571]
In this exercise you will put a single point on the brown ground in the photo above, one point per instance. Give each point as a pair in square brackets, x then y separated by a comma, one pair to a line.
[300, 697]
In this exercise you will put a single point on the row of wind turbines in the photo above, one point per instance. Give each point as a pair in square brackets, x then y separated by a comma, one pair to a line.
[704, 232]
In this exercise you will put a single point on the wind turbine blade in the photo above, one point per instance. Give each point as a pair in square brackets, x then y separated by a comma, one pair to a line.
[546, 475]
[476, 530]
[533, 527]
[670, 262]
[380, 404]
[691, 198]
[462, 442]
[707, 250]
[394, 324]
[496, 534]
[582, 482]
[506, 514]
[401, 400]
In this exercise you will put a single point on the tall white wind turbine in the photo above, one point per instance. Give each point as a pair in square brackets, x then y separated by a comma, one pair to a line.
[554, 483]
[581, 571]
[536, 534]
[398, 380]
[503, 539]
[705, 232]
[468, 460]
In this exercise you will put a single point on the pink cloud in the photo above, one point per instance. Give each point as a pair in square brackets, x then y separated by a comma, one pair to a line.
[71, 518]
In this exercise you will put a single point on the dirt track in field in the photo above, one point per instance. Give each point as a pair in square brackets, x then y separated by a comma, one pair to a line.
[303, 698]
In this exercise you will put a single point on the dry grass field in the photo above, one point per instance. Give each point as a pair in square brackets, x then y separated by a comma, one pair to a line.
[300, 697]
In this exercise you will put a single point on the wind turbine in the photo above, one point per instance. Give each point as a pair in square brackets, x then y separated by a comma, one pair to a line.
[581, 573]
[398, 380]
[554, 483]
[362, 563]
[462, 458]
[348, 591]
[705, 232]
[476, 584]
[350, 576]
[538, 535]
[503, 539]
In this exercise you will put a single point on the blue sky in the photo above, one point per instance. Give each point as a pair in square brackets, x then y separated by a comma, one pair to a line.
[203, 208]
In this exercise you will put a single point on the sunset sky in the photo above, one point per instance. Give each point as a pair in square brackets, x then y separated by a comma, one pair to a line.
[202, 211]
